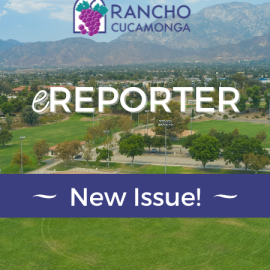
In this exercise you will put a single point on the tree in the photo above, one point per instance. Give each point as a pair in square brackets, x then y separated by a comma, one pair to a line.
[103, 154]
[88, 137]
[205, 148]
[7, 107]
[41, 149]
[107, 124]
[143, 117]
[29, 116]
[5, 87]
[242, 145]
[239, 78]
[25, 81]
[9, 120]
[124, 136]
[93, 133]
[254, 94]
[266, 99]
[224, 139]
[213, 132]
[179, 123]
[108, 142]
[5, 136]
[3, 99]
[30, 98]
[256, 162]
[87, 153]
[241, 105]
[34, 88]
[235, 132]
[19, 159]
[24, 92]
[262, 137]
[148, 141]
[125, 123]
[132, 146]
[159, 141]
[189, 139]
[62, 151]
[74, 148]
[68, 150]
[18, 104]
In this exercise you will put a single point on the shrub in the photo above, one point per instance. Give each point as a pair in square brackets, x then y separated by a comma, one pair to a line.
[234, 116]
[256, 116]
[246, 116]
[263, 114]
[225, 116]
[231, 111]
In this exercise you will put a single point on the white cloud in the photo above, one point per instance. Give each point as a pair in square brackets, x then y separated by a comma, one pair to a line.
[27, 6]
[2, 13]
[64, 9]
[65, 14]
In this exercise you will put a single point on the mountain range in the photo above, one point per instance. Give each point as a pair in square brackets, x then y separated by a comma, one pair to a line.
[257, 48]
[221, 24]
[227, 32]
[4, 45]
[84, 52]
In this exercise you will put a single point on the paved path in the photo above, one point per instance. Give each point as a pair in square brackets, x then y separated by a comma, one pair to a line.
[50, 163]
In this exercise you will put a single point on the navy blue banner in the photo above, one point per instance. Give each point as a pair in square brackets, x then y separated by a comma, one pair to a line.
[134, 195]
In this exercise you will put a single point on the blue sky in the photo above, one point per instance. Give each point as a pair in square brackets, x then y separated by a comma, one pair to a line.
[50, 20]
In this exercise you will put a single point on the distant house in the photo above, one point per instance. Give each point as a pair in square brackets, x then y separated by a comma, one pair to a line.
[19, 89]
[49, 86]
[53, 148]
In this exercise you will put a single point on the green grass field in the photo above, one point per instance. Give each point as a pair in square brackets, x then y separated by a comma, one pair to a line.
[53, 133]
[137, 244]
[76, 129]
[250, 129]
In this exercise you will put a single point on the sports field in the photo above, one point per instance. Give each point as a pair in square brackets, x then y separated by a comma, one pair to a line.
[76, 129]
[250, 129]
[134, 244]
[53, 133]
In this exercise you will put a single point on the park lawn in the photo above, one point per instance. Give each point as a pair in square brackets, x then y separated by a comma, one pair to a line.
[127, 168]
[134, 243]
[70, 129]
[245, 128]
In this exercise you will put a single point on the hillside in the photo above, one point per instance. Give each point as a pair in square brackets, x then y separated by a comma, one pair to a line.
[257, 48]
[228, 23]
[85, 52]
[4, 45]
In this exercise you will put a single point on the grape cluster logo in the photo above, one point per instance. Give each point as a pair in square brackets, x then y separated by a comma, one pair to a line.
[90, 18]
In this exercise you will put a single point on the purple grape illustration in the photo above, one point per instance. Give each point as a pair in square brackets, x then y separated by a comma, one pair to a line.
[90, 18]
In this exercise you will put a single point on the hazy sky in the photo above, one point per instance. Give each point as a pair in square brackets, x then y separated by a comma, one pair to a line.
[50, 20]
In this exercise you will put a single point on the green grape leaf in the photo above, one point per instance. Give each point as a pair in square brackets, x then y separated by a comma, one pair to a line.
[83, 5]
[101, 9]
